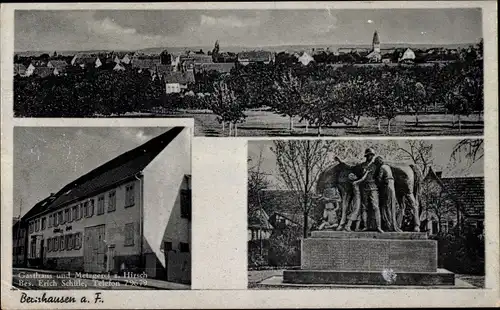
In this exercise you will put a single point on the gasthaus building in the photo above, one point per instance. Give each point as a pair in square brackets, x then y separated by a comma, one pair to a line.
[131, 214]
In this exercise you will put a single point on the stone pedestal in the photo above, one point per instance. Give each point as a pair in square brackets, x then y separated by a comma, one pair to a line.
[406, 258]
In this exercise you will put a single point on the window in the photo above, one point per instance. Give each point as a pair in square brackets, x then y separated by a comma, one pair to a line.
[69, 244]
[56, 243]
[112, 201]
[129, 234]
[73, 213]
[44, 222]
[90, 212]
[55, 219]
[85, 209]
[129, 195]
[82, 211]
[21, 250]
[61, 243]
[100, 205]
[184, 247]
[37, 225]
[67, 215]
[60, 217]
[186, 204]
[167, 246]
[31, 227]
[78, 241]
[50, 221]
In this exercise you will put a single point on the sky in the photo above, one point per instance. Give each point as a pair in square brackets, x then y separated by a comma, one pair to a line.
[441, 157]
[75, 30]
[48, 158]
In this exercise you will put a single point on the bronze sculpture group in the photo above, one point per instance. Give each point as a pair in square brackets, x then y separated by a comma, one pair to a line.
[370, 196]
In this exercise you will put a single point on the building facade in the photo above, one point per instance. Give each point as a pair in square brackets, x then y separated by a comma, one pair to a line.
[131, 214]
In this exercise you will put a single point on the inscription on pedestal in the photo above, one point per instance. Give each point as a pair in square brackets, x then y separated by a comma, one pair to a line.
[369, 255]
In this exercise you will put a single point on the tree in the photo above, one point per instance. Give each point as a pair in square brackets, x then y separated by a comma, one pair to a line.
[471, 150]
[419, 152]
[257, 181]
[320, 104]
[356, 97]
[390, 95]
[299, 164]
[226, 105]
[287, 92]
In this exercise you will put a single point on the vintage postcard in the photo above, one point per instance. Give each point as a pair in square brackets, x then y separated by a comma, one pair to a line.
[249, 155]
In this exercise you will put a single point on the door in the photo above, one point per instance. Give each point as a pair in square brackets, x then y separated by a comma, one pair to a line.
[111, 258]
[94, 249]
[42, 252]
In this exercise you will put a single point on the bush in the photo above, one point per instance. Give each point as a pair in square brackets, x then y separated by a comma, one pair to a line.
[258, 251]
[461, 253]
[284, 249]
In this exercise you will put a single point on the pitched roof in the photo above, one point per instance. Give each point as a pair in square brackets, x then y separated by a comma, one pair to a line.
[43, 71]
[219, 67]
[469, 192]
[109, 174]
[255, 56]
[259, 219]
[19, 69]
[179, 77]
[145, 63]
[59, 64]
[86, 60]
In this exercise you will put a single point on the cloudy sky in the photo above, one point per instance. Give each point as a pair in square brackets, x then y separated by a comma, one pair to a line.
[48, 158]
[128, 30]
[441, 156]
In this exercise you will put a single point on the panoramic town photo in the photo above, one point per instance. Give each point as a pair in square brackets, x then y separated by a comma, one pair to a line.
[366, 213]
[102, 208]
[297, 72]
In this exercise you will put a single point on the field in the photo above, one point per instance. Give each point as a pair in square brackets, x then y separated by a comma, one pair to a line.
[265, 123]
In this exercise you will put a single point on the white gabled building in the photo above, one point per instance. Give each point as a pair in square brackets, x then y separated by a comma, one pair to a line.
[132, 213]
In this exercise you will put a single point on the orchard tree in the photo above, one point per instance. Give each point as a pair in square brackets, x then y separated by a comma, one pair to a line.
[287, 95]
[226, 105]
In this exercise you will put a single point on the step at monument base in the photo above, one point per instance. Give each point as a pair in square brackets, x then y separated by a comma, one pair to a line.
[441, 277]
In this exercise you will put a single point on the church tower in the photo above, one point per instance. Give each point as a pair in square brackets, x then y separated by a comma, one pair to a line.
[376, 43]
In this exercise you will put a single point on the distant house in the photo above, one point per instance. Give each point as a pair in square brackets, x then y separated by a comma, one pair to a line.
[408, 56]
[86, 61]
[290, 218]
[176, 82]
[219, 67]
[142, 65]
[117, 59]
[118, 67]
[305, 59]
[126, 59]
[246, 58]
[59, 64]
[160, 71]
[19, 70]
[44, 72]
[259, 227]
[447, 201]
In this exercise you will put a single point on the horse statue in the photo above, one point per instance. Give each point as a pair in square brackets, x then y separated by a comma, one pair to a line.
[407, 183]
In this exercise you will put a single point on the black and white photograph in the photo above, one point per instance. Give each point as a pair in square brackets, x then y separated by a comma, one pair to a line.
[251, 72]
[102, 208]
[366, 214]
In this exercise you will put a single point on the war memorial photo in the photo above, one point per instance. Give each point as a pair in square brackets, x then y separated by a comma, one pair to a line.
[366, 213]
[102, 208]
[314, 72]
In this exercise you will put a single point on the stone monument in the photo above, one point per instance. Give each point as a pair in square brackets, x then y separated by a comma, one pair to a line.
[379, 254]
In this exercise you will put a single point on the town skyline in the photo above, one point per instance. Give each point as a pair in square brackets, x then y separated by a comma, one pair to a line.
[128, 30]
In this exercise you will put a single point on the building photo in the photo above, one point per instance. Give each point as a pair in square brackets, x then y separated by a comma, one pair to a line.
[109, 201]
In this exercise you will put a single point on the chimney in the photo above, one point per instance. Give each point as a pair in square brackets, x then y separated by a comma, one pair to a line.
[439, 173]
